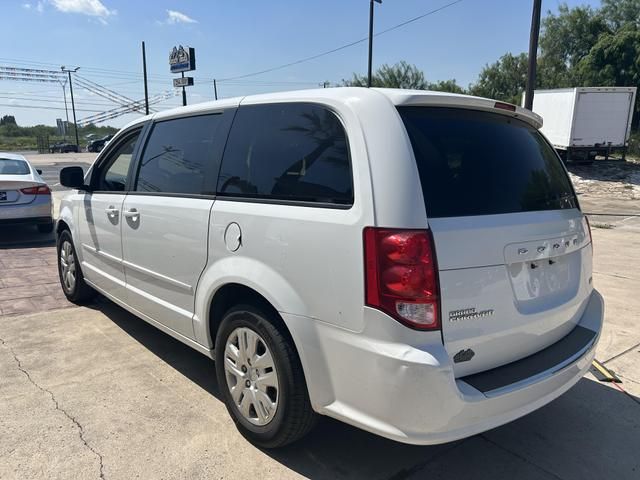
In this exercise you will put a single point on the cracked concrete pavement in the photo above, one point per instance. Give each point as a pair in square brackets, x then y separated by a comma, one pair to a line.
[57, 407]
[93, 392]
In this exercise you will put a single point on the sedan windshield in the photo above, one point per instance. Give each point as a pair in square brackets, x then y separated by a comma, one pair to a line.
[10, 166]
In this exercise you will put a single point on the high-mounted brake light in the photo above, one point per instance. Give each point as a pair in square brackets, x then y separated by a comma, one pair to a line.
[37, 190]
[505, 106]
[401, 276]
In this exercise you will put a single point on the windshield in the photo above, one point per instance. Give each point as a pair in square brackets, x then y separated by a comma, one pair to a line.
[9, 166]
[479, 163]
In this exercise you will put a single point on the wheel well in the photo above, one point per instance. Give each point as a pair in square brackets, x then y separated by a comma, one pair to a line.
[233, 294]
[61, 226]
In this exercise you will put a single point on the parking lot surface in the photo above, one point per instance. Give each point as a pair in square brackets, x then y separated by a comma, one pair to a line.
[93, 392]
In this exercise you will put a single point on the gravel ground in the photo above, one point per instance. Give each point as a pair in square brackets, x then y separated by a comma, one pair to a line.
[613, 179]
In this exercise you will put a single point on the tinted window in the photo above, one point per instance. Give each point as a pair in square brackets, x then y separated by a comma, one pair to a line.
[9, 166]
[477, 163]
[288, 152]
[113, 175]
[182, 155]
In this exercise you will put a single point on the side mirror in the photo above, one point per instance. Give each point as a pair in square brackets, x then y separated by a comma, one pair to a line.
[72, 177]
[39, 171]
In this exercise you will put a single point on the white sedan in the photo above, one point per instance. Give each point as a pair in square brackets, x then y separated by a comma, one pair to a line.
[25, 198]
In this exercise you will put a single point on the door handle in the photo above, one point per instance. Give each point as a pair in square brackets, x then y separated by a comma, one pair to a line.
[111, 211]
[132, 213]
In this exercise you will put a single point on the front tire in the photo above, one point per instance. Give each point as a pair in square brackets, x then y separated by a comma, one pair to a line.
[261, 379]
[71, 279]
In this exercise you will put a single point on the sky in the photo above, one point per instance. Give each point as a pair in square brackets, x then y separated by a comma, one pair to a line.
[236, 38]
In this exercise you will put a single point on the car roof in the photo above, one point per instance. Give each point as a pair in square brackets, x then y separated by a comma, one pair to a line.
[346, 95]
[13, 156]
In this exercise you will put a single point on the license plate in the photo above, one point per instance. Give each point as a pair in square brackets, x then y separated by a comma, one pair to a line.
[3, 196]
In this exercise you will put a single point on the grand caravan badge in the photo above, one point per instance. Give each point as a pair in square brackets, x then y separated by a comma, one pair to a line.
[468, 314]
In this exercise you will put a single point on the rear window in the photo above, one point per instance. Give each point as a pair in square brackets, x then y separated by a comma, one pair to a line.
[9, 166]
[478, 163]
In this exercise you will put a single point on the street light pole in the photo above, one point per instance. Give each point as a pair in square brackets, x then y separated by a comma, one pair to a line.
[371, 40]
[73, 105]
[66, 110]
[533, 54]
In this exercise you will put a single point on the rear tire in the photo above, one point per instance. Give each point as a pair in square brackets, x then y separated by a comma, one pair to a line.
[71, 279]
[261, 379]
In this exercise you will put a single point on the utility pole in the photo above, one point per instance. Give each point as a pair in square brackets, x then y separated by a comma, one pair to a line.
[66, 110]
[73, 105]
[533, 54]
[144, 72]
[371, 39]
[184, 94]
[215, 88]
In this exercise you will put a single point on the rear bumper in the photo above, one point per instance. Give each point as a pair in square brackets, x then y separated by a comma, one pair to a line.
[409, 393]
[40, 210]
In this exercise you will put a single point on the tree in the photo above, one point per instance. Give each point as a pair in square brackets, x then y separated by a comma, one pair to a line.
[400, 75]
[565, 39]
[618, 13]
[446, 86]
[8, 120]
[503, 80]
[403, 75]
[614, 60]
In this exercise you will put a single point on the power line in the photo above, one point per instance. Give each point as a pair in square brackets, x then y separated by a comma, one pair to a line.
[92, 69]
[54, 100]
[93, 72]
[121, 74]
[351, 44]
[44, 107]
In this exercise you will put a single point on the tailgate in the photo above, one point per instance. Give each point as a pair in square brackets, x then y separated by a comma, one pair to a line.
[513, 248]
[525, 284]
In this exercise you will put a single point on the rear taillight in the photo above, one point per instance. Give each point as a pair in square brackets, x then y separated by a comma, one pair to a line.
[37, 190]
[401, 276]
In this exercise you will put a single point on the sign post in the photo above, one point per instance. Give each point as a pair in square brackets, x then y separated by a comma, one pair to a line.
[182, 59]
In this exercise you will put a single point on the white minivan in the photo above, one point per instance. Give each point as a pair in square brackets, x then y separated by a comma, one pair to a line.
[412, 263]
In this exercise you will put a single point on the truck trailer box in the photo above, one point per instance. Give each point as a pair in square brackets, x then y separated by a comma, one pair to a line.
[584, 118]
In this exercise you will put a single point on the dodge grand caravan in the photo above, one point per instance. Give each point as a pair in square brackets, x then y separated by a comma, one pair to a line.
[412, 263]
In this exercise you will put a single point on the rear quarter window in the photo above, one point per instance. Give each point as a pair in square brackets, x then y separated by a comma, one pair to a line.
[480, 163]
[287, 151]
[9, 166]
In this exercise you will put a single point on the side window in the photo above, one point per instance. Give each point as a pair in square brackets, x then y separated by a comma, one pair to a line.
[287, 151]
[183, 155]
[112, 176]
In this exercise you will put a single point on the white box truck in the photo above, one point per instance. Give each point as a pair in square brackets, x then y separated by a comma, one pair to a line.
[584, 122]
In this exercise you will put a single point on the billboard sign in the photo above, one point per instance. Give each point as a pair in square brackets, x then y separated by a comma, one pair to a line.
[182, 59]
